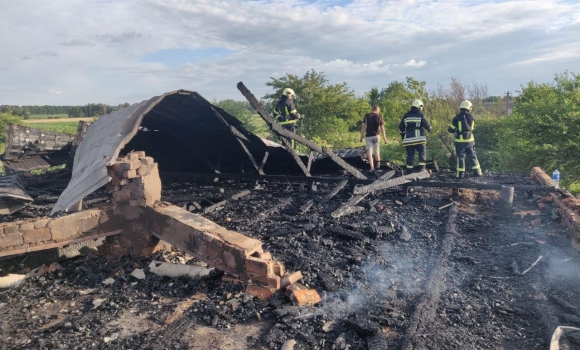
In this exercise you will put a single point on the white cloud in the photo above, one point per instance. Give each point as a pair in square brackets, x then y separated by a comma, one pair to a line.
[413, 63]
[93, 50]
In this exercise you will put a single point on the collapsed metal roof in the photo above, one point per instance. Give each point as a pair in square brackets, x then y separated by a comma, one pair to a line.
[31, 148]
[182, 131]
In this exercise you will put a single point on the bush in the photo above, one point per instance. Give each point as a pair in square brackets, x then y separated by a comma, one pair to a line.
[5, 119]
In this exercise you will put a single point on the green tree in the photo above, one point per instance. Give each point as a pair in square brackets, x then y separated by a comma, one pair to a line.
[244, 112]
[332, 112]
[544, 129]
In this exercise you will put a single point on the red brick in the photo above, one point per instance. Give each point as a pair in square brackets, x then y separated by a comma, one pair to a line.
[259, 292]
[229, 279]
[64, 227]
[273, 281]
[41, 223]
[89, 224]
[128, 174]
[291, 278]
[134, 156]
[259, 267]
[11, 229]
[38, 235]
[214, 252]
[25, 226]
[279, 269]
[10, 240]
[305, 297]
[123, 196]
[265, 256]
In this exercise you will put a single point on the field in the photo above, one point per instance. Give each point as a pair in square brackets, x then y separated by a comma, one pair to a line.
[48, 116]
[65, 125]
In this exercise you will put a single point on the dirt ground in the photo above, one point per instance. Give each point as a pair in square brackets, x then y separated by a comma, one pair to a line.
[418, 276]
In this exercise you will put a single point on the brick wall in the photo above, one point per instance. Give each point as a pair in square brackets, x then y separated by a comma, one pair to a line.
[32, 233]
[569, 208]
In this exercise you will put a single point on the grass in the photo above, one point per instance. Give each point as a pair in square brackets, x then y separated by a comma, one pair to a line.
[64, 127]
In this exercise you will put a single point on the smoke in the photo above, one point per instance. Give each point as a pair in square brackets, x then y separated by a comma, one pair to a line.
[383, 276]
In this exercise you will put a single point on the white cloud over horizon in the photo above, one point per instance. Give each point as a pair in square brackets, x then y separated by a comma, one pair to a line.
[64, 52]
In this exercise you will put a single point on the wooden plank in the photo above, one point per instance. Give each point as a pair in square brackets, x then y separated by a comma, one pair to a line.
[261, 170]
[280, 131]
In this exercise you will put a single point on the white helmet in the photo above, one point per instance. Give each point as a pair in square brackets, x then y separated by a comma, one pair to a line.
[417, 103]
[288, 92]
[466, 104]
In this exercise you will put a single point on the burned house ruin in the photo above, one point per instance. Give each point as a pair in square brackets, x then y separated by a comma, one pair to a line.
[279, 249]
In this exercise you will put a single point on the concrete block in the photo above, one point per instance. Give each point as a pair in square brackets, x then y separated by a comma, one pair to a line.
[291, 278]
[37, 235]
[10, 240]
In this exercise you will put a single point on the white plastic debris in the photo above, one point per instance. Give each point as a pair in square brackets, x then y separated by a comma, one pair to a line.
[555, 341]
[113, 336]
[97, 303]
[175, 270]
[138, 274]
[109, 281]
[11, 280]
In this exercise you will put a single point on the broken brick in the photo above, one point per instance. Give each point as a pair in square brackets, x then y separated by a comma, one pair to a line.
[279, 269]
[305, 297]
[271, 281]
[10, 240]
[265, 256]
[291, 278]
[262, 293]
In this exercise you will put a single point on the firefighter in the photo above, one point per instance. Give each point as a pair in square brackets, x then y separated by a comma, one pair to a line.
[412, 128]
[462, 128]
[285, 111]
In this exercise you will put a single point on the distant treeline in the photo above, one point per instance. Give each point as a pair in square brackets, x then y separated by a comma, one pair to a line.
[88, 110]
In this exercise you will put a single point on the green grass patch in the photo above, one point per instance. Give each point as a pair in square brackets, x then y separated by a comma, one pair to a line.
[66, 127]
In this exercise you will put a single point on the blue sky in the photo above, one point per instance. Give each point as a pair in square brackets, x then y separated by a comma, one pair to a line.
[63, 52]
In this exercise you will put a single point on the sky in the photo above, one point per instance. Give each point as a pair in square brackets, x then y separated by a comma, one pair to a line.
[63, 52]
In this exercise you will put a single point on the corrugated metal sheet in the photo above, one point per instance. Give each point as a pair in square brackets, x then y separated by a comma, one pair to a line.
[181, 130]
[12, 194]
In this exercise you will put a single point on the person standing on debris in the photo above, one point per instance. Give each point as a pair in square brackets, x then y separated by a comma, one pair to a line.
[462, 128]
[285, 111]
[373, 124]
[412, 128]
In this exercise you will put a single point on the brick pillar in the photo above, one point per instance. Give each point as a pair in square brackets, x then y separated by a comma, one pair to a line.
[134, 185]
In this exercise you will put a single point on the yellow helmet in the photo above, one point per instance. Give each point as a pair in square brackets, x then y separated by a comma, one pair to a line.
[417, 103]
[466, 104]
[288, 92]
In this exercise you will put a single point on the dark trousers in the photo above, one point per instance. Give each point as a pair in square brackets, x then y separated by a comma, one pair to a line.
[421, 150]
[461, 150]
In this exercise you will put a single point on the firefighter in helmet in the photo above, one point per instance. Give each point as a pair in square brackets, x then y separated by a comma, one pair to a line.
[412, 128]
[285, 111]
[462, 128]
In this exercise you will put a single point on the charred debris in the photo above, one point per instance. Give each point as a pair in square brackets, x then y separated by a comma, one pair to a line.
[177, 228]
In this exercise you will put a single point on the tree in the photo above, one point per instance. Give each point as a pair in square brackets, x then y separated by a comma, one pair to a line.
[245, 113]
[544, 129]
[331, 112]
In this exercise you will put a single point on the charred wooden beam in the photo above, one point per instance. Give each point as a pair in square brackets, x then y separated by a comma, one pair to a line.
[219, 205]
[280, 131]
[281, 205]
[241, 138]
[306, 206]
[357, 198]
[261, 170]
[350, 234]
[310, 157]
[334, 191]
[346, 210]
[381, 185]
